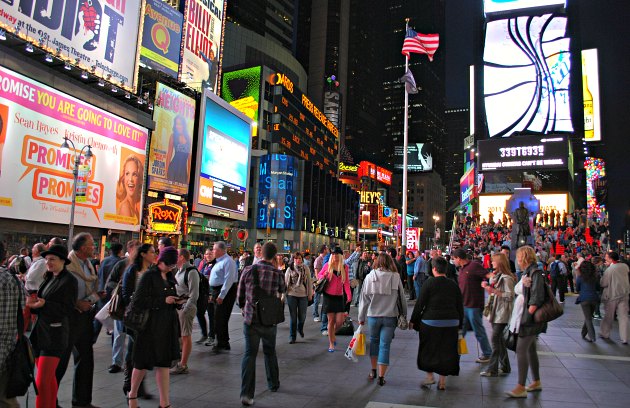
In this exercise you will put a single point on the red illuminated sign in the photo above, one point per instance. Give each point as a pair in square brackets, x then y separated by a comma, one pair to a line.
[375, 172]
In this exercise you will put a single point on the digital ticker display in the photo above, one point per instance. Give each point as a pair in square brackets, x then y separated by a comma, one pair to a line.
[523, 153]
[303, 130]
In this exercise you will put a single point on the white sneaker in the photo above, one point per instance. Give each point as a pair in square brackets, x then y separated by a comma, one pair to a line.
[324, 332]
[247, 401]
[317, 319]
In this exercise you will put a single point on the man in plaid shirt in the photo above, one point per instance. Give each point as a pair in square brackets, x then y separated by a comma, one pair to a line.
[10, 303]
[270, 280]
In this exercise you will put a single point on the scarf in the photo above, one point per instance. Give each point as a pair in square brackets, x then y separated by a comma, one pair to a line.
[76, 268]
[296, 277]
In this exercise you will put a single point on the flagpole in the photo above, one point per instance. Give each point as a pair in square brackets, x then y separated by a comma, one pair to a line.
[405, 145]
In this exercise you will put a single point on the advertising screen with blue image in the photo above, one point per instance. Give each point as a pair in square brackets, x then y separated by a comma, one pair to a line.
[223, 159]
[500, 6]
[278, 183]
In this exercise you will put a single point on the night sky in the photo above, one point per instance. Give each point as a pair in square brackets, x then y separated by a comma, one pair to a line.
[600, 24]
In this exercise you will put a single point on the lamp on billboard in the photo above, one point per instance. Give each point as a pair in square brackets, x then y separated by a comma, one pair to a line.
[65, 148]
[271, 204]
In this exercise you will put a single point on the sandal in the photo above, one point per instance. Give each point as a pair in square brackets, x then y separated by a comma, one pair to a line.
[131, 399]
[441, 386]
[427, 383]
[372, 374]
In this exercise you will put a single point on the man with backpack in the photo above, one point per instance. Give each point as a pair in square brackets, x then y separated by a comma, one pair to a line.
[558, 274]
[20, 264]
[187, 278]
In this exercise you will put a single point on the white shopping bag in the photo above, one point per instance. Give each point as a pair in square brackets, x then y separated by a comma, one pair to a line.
[352, 347]
[104, 317]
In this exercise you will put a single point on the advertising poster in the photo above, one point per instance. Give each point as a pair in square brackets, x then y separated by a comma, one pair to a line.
[36, 178]
[467, 186]
[171, 142]
[419, 157]
[161, 37]
[496, 204]
[100, 36]
[590, 95]
[502, 6]
[201, 43]
[242, 90]
[278, 181]
[223, 157]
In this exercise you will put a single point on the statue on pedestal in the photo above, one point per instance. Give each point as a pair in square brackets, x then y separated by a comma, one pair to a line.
[521, 224]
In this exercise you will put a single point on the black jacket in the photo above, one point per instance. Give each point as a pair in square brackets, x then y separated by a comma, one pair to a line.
[534, 295]
[51, 333]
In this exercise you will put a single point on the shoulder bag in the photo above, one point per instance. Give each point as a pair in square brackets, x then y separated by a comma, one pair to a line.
[21, 362]
[320, 285]
[510, 339]
[550, 310]
[116, 303]
[402, 322]
[268, 308]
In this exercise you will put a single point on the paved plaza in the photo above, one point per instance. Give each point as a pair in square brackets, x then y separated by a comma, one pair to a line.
[574, 374]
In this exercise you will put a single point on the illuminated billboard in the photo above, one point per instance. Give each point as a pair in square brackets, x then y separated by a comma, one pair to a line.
[278, 182]
[100, 36]
[590, 95]
[378, 173]
[36, 172]
[467, 186]
[596, 186]
[223, 158]
[242, 90]
[419, 157]
[523, 153]
[201, 44]
[527, 69]
[161, 37]
[171, 141]
[556, 203]
[507, 6]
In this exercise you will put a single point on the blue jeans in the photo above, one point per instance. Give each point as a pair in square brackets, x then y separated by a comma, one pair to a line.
[417, 286]
[473, 317]
[324, 322]
[253, 334]
[381, 334]
[118, 344]
[297, 311]
[316, 300]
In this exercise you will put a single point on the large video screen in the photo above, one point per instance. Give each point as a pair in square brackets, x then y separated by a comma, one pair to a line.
[278, 183]
[500, 6]
[223, 158]
[527, 69]
[523, 153]
[419, 157]
[590, 95]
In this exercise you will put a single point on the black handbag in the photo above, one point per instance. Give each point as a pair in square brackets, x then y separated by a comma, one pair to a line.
[116, 304]
[268, 308]
[320, 285]
[510, 339]
[21, 362]
[135, 318]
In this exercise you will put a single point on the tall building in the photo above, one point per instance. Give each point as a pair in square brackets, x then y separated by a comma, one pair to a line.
[365, 79]
[274, 20]
[426, 109]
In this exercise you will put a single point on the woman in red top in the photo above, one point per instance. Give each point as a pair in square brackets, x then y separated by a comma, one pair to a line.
[335, 301]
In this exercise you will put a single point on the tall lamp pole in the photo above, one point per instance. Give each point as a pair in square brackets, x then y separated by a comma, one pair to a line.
[270, 204]
[65, 148]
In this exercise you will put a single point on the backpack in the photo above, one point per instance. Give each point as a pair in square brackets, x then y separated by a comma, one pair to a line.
[555, 268]
[204, 288]
[19, 266]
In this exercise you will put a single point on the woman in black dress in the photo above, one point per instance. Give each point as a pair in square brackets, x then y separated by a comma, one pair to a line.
[438, 316]
[158, 345]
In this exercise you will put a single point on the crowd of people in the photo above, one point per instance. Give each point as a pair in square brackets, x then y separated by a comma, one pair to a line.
[164, 289]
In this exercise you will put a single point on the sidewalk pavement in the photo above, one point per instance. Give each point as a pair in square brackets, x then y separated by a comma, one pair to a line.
[574, 373]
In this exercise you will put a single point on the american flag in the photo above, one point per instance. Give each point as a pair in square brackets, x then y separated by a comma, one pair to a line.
[420, 43]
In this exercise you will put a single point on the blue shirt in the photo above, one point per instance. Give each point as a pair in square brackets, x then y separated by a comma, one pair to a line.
[418, 267]
[224, 274]
[410, 267]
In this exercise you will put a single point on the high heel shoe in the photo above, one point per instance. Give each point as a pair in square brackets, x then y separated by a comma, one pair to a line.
[131, 399]
[372, 374]
[381, 381]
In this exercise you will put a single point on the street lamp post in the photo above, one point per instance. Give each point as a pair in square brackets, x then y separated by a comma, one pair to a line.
[65, 148]
[436, 218]
[270, 204]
